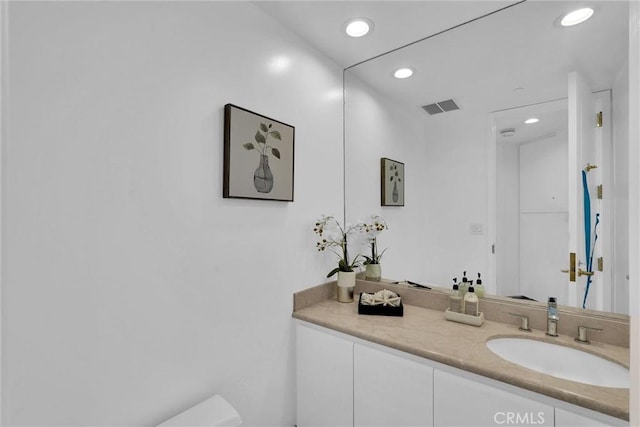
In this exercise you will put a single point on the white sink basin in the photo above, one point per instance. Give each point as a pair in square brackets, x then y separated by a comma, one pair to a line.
[559, 361]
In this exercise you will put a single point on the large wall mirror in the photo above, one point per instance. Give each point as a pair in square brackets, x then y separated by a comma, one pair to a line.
[485, 192]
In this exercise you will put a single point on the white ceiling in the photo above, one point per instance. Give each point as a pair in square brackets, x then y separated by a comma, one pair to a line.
[478, 64]
[396, 23]
[553, 117]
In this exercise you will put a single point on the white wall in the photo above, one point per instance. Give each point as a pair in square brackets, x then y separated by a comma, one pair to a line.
[634, 208]
[543, 213]
[620, 158]
[508, 217]
[131, 289]
[456, 194]
[3, 99]
[531, 206]
[377, 127]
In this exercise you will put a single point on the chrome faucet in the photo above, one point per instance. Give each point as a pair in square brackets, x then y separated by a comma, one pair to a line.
[524, 322]
[582, 334]
[552, 327]
[552, 317]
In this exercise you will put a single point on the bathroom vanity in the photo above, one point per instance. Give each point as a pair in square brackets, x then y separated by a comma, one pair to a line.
[420, 369]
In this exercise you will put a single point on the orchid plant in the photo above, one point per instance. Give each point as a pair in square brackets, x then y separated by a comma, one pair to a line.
[334, 238]
[372, 229]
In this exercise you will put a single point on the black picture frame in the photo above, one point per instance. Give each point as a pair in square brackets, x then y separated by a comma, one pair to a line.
[391, 182]
[259, 154]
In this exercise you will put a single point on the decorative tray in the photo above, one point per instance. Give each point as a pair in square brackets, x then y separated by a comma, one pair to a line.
[380, 310]
[464, 318]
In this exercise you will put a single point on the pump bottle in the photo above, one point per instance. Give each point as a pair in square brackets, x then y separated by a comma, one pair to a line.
[464, 285]
[456, 303]
[479, 288]
[471, 302]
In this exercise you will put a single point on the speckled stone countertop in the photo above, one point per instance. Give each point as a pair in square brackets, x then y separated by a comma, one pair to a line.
[426, 333]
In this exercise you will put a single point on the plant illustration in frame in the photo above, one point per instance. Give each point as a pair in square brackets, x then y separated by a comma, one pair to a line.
[391, 182]
[258, 156]
[262, 177]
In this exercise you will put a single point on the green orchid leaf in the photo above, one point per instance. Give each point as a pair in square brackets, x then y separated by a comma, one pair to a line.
[264, 127]
[276, 153]
[380, 256]
[248, 146]
[276, 135]
[260, 138]
[332, 272]
[355, 262]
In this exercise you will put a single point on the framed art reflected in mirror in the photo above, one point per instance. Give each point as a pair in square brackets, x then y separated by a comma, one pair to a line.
[391, 182]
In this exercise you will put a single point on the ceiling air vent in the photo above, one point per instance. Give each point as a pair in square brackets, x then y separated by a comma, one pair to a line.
[441, 107]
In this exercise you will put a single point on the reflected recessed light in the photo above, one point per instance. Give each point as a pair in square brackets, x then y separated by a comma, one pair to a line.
[358, 27]
[531, 120]
[403, 73]
[576, 17]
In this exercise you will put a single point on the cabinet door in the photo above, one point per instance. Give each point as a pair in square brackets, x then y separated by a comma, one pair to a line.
[324, 379]
[461, 402]
[569, 419]
[391, 390]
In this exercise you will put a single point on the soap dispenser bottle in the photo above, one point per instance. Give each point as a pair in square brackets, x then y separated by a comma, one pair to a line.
[456, 303]
[479, 287]
[471, 302]
[464, 285]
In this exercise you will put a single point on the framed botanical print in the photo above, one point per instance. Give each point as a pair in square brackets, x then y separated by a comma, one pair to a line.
[258, 156]
[391, 182]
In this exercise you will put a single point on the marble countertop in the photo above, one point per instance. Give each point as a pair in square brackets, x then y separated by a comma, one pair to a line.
[426, 333]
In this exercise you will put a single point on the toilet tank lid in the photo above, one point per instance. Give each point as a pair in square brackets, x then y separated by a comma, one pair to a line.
[215, 411]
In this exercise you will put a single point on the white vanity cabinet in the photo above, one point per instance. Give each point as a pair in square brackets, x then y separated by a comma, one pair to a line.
[391, 389]
[346, 381]
[340, 383]
[459, 401]
[569, 419]
[324, 379]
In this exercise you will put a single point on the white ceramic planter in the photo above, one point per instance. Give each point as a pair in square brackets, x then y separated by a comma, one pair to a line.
[373, 271]
[346, 283]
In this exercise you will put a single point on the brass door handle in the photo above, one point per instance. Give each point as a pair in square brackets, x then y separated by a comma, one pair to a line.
[581, 272]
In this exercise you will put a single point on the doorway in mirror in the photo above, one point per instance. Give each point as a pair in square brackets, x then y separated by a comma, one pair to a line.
[539, 210]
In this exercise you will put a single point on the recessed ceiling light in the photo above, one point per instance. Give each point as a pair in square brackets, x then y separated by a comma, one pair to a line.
[576, 17]
[532, 120]
[358, 27]
[403, 73]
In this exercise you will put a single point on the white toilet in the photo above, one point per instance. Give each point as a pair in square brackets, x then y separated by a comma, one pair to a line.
[215, 411]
